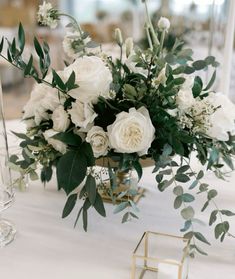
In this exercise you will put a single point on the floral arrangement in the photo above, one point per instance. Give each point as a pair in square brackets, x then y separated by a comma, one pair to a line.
[147, 104]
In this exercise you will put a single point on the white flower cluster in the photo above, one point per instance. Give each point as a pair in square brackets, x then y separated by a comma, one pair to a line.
[213, 115]
[47, 15]
[131, 131]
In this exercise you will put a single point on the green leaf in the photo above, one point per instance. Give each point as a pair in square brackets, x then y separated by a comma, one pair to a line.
[164, 184]
[187, 213]
[193, 185]
[133, 215]
[70, 203]
[125, 217]
[183, 169]
[211, 82]
[78, 215]
[178, 202]
[38, 48]
[84, 218]
[227, 213]
[187, 197]
[71, 170]
[200, 175]
[57, 79]
[90, 186]
[21, 135]
[28, 67]
[88, 152]
[133, 205]
[21, 37]
[137, 166]
[179, 81]
[187, 225]
[199, 65]
[199, 250]
[219, 229]
[182, 178]
[212, 194]
[120, 207]
[99, 205]
[71, 81]
[167, 150]
[200, 237]
[46, 173]
[213, 217]
[69, 138]
[205, 206]
[178, 190]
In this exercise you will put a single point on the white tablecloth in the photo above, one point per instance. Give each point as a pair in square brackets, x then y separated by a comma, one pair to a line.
[47, 246]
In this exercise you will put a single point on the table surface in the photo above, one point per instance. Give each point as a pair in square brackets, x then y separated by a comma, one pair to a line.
[47, 246]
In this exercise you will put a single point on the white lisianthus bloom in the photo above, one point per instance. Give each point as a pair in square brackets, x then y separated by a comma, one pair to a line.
[93, 78]
[129, 46]
[99, 141]
[164, 24]
[47, 15]
[72, 44]
[82, 114]
[60, 119]
[223, 119]
[132, 132]
[56, 144]
[184, 99]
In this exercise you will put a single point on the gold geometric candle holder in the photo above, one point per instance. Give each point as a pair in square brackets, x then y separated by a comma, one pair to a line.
[160, 256]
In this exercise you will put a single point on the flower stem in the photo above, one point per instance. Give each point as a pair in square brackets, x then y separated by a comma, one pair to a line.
[162, 42]
[149, 23]
[149, 37]
[77, 25]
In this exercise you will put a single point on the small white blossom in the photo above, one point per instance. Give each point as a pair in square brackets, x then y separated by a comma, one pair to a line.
[164, 24]
[47, 15]
[72, 44]
[129, 46]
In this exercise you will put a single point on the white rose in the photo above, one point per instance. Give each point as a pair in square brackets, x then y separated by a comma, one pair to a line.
[99, 141]
[42, 99]
[82, 114]
[92, 76]
[223, 119]
[57, 144]
[60, 119]
[164, 23]
[132, 132]
[185, 99]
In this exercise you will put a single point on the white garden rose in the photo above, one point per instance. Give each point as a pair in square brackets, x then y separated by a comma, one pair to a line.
[93, 78]
[57, 144]
[43, 98]
[185, 99]
[99, 141]
[132, 132]
[223, 119]
[60, 119]
[82, 114]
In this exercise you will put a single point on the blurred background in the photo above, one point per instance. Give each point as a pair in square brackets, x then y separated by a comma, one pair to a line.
[200, 23]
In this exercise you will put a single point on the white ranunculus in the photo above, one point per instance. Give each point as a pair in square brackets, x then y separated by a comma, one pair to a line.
[164, 23]
[185, 99]
[93, 78]
[82, 114]
[60, 119]
[99, 141]
[132, 132]
[223, 119]
[57, 144]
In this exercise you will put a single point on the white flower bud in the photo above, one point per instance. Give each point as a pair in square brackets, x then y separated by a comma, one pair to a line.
[118, 36]
[164, 24]
[129, 46]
